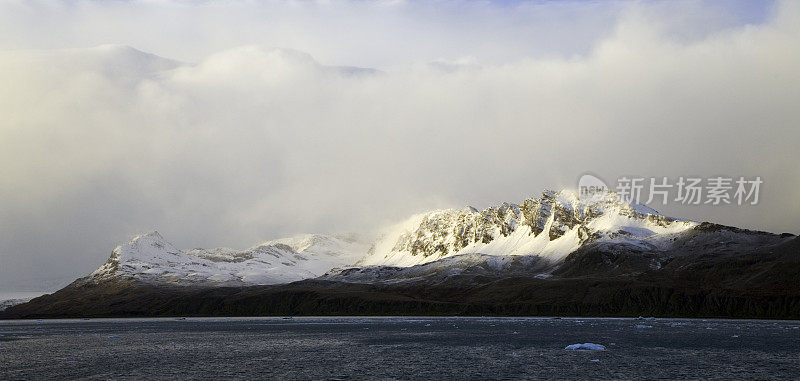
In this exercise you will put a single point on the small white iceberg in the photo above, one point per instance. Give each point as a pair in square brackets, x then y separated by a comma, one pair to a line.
[585, 347]
[642, 326]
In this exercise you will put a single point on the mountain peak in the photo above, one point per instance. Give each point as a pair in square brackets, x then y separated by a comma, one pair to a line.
[153, 235]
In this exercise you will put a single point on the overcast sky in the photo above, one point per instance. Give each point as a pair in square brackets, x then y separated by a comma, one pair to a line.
[229, 123]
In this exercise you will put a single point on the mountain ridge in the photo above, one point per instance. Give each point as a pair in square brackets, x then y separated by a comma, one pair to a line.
[603, 257]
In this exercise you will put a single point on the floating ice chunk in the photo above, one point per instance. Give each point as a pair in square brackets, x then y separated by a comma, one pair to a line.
[641, 326]
[585, 347]
[735, 336]
[113, 336]
[595, 360]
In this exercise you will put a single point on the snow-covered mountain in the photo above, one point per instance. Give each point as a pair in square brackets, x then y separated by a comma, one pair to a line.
[150, 258]
[551, 227]
[530, 239]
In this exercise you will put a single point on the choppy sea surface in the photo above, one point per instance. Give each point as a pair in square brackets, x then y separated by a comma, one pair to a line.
[398, 348]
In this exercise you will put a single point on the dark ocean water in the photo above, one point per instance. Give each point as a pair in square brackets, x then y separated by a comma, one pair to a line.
[398, 348]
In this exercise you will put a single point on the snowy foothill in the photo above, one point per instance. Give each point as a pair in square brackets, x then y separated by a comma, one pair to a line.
[9, 299]
[149, 257]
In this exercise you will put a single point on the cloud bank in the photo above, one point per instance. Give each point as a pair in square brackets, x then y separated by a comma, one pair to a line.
[479, 103]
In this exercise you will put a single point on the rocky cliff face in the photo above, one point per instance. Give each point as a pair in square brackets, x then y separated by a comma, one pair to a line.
[552, 225]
